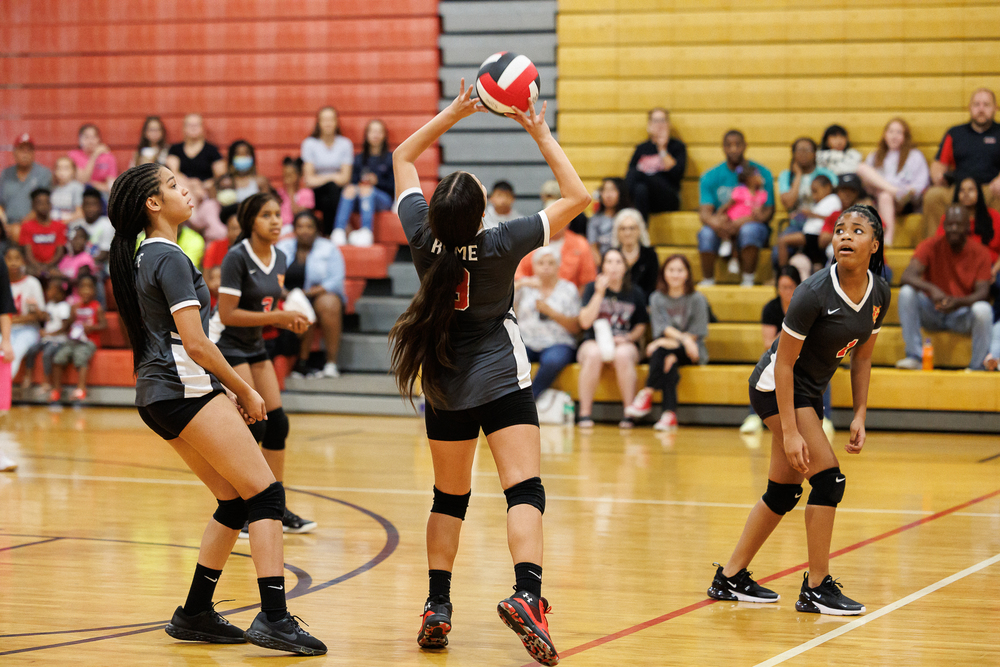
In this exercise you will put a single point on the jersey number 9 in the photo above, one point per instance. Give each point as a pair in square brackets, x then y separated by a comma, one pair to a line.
[462, 291]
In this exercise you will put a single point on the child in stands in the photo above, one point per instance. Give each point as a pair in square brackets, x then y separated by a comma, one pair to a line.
[87, 322]
[79, 258]
[57, 311]
[67, 192]
[747, 197]
[42, 237]
[804, 238]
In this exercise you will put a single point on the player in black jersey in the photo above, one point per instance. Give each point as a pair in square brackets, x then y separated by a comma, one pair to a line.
[836, 311]
[253, 279]
[460, 333]
[164, 303]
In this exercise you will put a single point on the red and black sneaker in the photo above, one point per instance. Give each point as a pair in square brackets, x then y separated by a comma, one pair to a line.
[525, 614]
[435, 624]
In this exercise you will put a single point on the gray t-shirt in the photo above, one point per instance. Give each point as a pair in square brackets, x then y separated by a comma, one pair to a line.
[829, 324]
[166, 281]
[258, 287]
[15, 194]
[599, 229]
[489, 355]
[688, 313]
[327, 159]
[65, 199]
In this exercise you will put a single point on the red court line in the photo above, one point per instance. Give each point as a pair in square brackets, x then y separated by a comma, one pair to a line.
[777, 575]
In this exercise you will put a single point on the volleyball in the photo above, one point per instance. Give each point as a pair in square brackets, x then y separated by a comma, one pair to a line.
[507, 81]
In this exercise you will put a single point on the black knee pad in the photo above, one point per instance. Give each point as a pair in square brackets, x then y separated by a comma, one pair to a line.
[277, 430]
[231, 513]
[446, 503]
[257, 430]
[529, 492]
[268, 504]
[781, 498]
[827, 487]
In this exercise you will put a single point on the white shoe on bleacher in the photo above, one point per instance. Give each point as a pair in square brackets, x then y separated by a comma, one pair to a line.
[361, 238]
[339, 237]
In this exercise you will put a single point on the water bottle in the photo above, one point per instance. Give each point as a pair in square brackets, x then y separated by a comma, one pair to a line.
[569, 414]
[928, 355]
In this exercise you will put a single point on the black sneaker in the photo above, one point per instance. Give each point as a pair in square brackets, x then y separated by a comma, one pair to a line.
[207, 626]
[740, 587]
[826, 599]
[283, 635]
[293, 523]
[245, 531]
[523, 613]
[435, 624]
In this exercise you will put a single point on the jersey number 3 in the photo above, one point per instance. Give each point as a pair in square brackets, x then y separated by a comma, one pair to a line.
[462, 291]
[843, 353]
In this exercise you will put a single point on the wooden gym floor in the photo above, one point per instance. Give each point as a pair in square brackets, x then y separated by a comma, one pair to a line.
[100, 525]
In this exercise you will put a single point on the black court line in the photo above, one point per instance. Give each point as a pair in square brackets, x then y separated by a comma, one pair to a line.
[989, 458]
[302, 586]
[30, 544]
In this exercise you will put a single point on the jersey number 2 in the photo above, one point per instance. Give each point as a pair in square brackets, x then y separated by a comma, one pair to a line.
[462, 291]
[843, 353]
[267, 303]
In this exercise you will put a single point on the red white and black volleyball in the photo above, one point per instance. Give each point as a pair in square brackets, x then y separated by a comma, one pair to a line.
[507, 80]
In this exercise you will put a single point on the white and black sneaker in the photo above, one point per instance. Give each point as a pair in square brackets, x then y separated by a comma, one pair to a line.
[740, 587]
[826, 599]
[293, 523]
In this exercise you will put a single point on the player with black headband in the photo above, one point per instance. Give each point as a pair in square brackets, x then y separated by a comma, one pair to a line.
[461, 335]
[836, 311]
[180, 374]
[253, 277]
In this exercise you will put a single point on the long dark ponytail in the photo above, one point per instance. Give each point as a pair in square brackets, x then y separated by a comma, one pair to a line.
[983, 226]
[127, 211]
[421, 336]
[248, 210]
[876, 263]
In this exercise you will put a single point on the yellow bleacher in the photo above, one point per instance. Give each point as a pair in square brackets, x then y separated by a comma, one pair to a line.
[777, 70]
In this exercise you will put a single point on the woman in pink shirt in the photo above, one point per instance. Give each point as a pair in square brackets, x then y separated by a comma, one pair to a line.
[95, 165]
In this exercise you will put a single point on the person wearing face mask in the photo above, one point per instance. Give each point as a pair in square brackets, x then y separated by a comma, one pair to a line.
[243, 170]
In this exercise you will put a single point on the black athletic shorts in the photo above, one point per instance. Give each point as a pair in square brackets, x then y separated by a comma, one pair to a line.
[765, 403]
[168, 418]
[237, 359]
[515, 408]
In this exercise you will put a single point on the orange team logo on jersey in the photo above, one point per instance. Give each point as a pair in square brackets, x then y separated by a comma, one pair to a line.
[281, 281]
[875, 311]
[847, 348]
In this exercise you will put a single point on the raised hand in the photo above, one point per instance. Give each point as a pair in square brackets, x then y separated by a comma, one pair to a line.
[465, 105]
[534, 123]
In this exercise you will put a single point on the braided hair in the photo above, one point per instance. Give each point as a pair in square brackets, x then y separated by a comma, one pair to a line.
[876, 263]
[127, 211]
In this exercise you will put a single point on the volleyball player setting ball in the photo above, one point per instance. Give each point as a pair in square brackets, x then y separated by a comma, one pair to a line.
[180, 375]
[253, 281]
[835, 312]
[461, 336]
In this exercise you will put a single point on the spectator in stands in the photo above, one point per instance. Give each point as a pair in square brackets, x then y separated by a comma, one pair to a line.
[18, 181]
[195, 160]
[294, 197]
[972, 149]
[29, 299]
[657, 167]
[217, 250]
[984, 226]
[78, 259]
[242, 167]
[316, 266]
[87, 322]
[895, 174]
[746, 197]
[835, 152]
[716, 187]
[56, 326]
[849, 192]
[327, 157]
[576, 262]
[613, 320]
[803, 234]
[153, 145]
[372, 187]
[213, 280]
[98, 227]
[680, 326]
[209, 201]
[67, 192]
[547, 317]
[500, 207]
[43, 239]
[945, 288]
[95, 165]
[795, 183]
[612, 198]
[629, 235]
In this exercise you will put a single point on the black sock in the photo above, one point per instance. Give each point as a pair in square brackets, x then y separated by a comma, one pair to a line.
[440, 584]
[529, 578]
[272, 597]
[202, 589]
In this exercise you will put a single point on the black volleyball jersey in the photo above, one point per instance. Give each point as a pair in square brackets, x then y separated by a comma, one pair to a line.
[829, 324]
[259, 288]
[489, 354]
[166, 281]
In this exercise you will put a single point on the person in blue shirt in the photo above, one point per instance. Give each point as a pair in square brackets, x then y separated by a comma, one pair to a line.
[719, 234]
